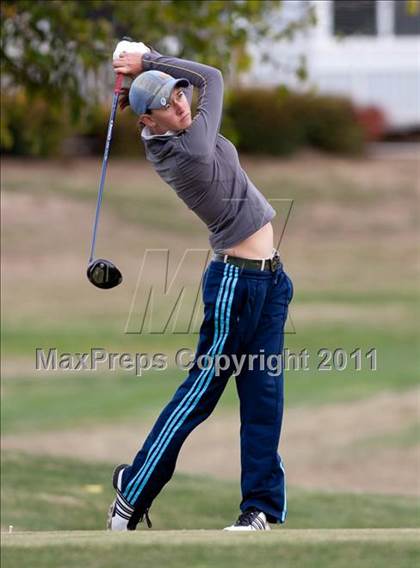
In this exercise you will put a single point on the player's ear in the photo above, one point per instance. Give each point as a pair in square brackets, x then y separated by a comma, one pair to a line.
[147, 120]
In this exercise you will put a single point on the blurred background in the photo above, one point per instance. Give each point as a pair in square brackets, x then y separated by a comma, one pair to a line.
[322, 101]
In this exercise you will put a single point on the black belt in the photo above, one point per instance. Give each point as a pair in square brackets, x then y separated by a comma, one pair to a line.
[270, 264]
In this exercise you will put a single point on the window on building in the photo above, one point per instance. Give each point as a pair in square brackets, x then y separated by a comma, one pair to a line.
[354, 18]
[407, 17]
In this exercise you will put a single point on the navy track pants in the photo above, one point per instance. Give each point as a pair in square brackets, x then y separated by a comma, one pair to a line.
[245, 311]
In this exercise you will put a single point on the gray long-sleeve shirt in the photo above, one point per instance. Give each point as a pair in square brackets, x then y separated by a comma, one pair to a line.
[201, 165]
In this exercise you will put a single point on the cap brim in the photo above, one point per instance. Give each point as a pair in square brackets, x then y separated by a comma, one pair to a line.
[166, 91]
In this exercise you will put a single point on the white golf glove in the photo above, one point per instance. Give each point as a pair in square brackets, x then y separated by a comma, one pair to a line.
[129, 47]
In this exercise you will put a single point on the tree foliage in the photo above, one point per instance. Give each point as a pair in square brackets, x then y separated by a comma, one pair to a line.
[50, 48]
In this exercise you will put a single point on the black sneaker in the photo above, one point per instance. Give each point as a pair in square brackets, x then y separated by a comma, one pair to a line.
[250, 521]
[120, 512]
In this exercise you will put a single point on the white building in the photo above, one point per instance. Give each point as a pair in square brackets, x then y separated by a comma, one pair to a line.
[368, 50]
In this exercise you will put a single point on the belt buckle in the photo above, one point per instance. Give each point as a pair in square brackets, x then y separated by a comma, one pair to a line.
[275, 262]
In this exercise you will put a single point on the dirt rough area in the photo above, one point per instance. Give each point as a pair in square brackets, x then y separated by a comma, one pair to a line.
[325, 448]
[354, 229]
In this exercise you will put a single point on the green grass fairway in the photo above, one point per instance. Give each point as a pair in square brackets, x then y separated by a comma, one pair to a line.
[173, 549]
[57, 401]
[350, 247]
[61, 494]
[221, 538]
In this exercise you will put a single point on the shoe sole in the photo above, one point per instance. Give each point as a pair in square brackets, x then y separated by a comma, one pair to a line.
[116, 474]
[246, 529]
[109, 515]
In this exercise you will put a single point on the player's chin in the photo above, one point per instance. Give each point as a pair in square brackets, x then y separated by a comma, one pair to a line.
[185, 122]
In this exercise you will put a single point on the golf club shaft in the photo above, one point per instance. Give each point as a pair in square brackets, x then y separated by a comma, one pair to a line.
[117, 90]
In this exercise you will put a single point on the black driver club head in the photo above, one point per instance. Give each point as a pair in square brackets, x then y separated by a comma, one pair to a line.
[103, 274]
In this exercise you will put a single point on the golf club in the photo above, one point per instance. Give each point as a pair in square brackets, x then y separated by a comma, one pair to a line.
[103, 273]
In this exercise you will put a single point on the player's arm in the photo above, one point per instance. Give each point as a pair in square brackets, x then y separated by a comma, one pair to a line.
[200, 138]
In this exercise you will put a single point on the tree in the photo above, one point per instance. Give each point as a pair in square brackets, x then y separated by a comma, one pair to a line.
[50, 47]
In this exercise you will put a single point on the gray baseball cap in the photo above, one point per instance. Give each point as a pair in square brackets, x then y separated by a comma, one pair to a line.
[152, 90]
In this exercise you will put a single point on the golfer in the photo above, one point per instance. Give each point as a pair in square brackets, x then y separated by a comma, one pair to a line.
[245, 291]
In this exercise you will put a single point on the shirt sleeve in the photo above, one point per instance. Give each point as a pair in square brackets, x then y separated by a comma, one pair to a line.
[200, 138]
